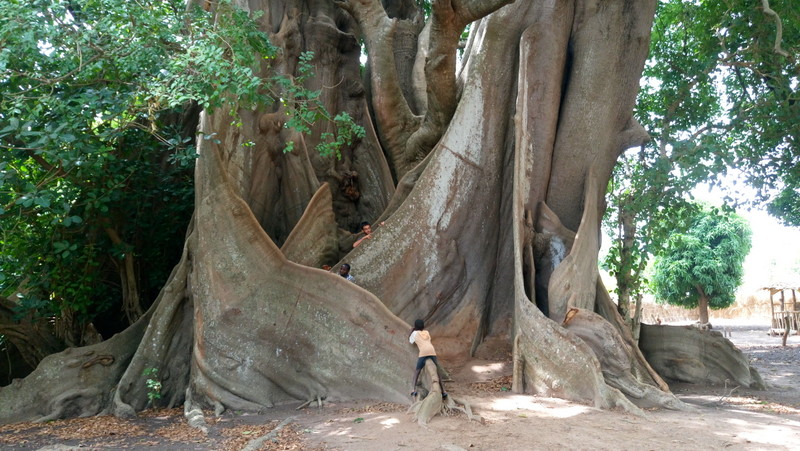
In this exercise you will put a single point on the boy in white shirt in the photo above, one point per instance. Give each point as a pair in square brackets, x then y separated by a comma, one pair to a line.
[422, 338]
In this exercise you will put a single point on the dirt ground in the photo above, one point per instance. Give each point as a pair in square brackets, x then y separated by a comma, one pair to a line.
[725, 417]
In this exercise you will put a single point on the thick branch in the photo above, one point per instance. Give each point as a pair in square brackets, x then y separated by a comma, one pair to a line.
[407, 137]
[394, 118]
[448, 19]
[472, 10]
[127, 274]
[778, 28]
[58, 171]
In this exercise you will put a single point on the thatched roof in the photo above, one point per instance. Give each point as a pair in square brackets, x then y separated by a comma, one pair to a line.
[778, 287]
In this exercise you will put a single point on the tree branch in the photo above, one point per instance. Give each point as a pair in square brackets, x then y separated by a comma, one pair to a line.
[778, 28]
[58, 171]
[408, 137]
[448, 20]
[394, 117]
[127, 273]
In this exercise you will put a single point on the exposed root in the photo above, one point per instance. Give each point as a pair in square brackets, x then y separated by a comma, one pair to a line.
[165, 343]
[617, 360]
[121, 408]
[104, 360]
[452, 406]
[729, 394]
[257, 443]
[82, 401]
[427, 408]
[428, 404]
[76, 382]
[518, 377]
[304, 405]
[318, 399]
[687, 354]
[218, 408]
[194, 415]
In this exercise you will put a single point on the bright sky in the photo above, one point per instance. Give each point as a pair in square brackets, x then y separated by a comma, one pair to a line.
[775, 255]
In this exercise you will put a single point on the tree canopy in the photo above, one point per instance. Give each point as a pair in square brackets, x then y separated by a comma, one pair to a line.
[722, 84]
[95, 171]
[703, 266]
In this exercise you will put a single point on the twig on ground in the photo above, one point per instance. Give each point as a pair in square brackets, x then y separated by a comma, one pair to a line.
[305, 404]
[723, 397]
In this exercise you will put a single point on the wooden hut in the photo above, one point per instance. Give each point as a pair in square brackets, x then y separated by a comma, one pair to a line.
[784, 309]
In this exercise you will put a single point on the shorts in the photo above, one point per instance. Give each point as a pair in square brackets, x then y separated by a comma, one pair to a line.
[421, 361]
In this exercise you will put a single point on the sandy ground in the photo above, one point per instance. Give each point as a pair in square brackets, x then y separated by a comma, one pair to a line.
[725, 417]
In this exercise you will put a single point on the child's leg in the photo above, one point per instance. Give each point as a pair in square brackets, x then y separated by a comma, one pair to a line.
[416, 376]
[441, 384]
[420, 364]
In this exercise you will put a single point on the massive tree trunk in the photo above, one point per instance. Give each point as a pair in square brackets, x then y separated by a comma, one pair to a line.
[491, 234]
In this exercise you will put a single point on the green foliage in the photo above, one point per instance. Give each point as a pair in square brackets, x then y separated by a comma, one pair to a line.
[304, 109]
[425, 6]
[215, 63]
[650, 187]
[784, 205]
[348, 132]
[89, 150]
[85, 153]
[705, 261]
[647, 203]
[717, 82]
[153, 384]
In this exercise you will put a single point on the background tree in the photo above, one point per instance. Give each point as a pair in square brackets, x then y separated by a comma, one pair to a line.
[647, 204]
[704, 62]
[738, 63]
[95, 175]
[703, 267]
[649, 194]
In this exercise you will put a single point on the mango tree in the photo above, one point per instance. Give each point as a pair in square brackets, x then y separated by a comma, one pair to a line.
[703, 267]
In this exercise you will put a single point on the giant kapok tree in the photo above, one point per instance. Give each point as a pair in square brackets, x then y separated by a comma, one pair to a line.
[488, 169]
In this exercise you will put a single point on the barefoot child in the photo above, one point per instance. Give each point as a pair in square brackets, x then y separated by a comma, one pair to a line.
[422, 338]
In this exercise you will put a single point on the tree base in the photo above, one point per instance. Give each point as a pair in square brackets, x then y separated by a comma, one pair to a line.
[429, 403]
[688, 354]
